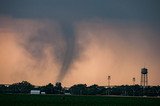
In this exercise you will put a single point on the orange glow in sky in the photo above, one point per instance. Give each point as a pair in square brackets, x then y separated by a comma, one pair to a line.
[119, 50]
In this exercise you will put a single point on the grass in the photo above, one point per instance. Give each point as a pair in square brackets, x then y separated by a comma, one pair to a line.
[61, 100]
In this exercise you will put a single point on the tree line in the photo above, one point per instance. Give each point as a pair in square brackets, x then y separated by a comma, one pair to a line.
[25, 87]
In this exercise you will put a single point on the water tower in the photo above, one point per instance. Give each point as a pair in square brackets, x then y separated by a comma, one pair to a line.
[144, 77]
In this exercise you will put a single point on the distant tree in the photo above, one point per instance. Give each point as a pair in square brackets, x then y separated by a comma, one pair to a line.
[117, 90]
[79, 89]
[157, 90]
[58, 88]
[82, 89]
[101, 90]
[22, 87]
[3, 89]
[92, 90]
[48, 89]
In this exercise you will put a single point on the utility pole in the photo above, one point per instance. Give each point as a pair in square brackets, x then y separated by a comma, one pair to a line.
[108, 88]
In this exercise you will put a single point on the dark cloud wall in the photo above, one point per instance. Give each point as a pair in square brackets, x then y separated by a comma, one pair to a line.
[70, 10]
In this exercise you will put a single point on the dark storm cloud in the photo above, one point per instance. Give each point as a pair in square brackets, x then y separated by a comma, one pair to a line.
[68, 12]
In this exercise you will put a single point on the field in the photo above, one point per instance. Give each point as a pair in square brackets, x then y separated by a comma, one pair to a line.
[61, 100]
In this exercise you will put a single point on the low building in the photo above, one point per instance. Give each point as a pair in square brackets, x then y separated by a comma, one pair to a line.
[43, 93]
[35, 92]
[67, 93]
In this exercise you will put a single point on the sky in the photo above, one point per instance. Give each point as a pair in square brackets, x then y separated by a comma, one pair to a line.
[79, 41]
